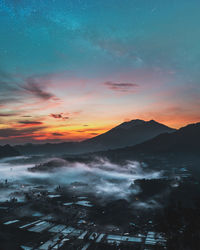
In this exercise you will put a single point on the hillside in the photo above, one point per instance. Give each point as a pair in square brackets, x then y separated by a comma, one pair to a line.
[184, 140]
[8, 151]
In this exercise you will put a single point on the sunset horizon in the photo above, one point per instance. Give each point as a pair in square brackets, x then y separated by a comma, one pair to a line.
[56, 137]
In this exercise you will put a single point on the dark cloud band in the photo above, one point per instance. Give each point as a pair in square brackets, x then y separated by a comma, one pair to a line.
[121, 87]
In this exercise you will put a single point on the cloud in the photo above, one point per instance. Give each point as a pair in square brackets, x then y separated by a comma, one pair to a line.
[35, 88]
[105, 180]
[57, 134]
[8, 89]
[29, 123]
[121, 87]
[12, 132]
[7, 114]
[15, 89]
[64, 116]
[59, 116]
[92, 131]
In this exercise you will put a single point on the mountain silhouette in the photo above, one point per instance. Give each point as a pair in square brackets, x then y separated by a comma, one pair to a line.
[126, 134]
[184, 140]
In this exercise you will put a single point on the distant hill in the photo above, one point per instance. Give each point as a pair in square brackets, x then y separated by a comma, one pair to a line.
[8, 151]
[49, 148]
[126, 134]
[184, 140]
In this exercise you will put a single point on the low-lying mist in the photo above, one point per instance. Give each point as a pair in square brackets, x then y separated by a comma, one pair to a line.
[100, 177]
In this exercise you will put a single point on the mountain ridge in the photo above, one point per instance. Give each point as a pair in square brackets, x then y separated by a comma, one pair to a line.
[143, 130]
[184, 140]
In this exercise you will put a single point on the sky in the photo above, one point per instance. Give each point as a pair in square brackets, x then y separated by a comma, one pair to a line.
[70, 70]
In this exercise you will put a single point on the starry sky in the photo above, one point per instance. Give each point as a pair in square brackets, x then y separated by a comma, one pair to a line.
[73, 69]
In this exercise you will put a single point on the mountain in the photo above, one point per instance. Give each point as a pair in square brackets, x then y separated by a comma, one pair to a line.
[8, 151]
[184, 140]
[126, 134]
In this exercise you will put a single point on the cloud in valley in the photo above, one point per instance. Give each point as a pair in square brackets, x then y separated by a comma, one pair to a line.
[100, 177]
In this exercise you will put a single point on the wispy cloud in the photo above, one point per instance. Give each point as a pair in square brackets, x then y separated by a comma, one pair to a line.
[8, 114]
[36, 89]
[8, 89]
[121, 86]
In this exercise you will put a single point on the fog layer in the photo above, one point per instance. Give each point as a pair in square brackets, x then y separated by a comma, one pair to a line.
[100, 178]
